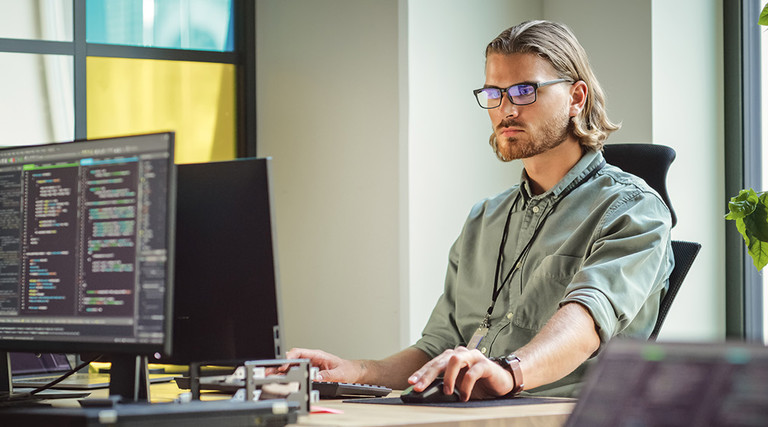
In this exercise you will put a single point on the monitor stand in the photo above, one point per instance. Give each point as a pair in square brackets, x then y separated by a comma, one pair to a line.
[6, 381]
[129, 377]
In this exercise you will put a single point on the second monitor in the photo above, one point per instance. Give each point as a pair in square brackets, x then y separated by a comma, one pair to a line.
[226, 302]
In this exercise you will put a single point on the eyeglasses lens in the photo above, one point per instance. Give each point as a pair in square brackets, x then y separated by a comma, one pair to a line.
[519, 94]
[489, 97]
[522, 94]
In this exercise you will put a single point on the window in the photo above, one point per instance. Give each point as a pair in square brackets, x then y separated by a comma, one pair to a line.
[764, 148]
[743, 160]
[77, 69]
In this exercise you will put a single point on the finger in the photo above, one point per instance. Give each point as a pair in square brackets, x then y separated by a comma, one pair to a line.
[275, 370]
[302, 353]
[425, 375]
[293, 353]
[460, 360]
[325, 376]
[317, 358]
[469, 380]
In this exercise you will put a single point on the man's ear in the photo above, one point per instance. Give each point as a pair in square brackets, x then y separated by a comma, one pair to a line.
[579, 92]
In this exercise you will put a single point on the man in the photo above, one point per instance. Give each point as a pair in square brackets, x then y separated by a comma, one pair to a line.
[548, 271]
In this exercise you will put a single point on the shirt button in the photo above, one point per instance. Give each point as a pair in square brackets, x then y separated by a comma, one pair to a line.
[535, 209]
[509, 316]
[483, 350]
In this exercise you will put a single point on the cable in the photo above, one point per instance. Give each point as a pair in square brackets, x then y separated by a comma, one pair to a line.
[65, 376]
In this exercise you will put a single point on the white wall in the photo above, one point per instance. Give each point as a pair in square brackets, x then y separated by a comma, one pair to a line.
[328, 115]
[687, 115]
[617, 37]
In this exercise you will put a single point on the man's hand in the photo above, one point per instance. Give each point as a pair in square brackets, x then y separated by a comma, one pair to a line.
[469, 371]
[390, 372]
[332, 368]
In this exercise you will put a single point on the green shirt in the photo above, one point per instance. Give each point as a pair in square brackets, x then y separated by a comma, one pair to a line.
[605, 245]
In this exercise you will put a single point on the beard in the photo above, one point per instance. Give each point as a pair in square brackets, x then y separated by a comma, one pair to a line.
[533, 141]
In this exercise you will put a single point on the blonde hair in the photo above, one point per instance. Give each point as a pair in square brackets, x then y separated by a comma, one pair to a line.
[557, 44]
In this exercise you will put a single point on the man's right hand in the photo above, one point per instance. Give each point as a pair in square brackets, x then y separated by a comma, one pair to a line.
[391, 372]
[332, 368]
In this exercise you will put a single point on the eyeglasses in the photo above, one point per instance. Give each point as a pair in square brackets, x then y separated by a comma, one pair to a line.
[522, 94]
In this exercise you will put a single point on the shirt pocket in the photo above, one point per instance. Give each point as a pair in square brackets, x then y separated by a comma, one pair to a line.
[542, 291]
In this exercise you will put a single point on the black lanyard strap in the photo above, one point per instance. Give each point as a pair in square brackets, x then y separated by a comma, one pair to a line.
[515, 266]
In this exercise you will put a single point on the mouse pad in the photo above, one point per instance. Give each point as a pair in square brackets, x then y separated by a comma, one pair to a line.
[470, 404]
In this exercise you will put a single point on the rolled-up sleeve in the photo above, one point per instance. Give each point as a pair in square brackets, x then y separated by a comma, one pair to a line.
[626, 268]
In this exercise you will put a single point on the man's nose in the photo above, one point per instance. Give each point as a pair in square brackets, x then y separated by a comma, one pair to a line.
[507, 107]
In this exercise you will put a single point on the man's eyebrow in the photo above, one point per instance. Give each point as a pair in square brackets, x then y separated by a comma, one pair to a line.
[527, 82]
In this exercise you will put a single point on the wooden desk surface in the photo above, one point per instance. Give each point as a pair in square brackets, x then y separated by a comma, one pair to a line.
[362, 414]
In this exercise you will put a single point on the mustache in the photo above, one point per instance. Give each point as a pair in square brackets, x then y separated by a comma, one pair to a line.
[509, 123]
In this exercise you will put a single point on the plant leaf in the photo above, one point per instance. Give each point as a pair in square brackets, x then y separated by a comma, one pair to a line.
[757, 250]
[742, 204]
[763, 20]
[756, 223]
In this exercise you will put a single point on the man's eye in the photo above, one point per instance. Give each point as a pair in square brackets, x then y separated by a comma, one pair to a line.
[525, 90]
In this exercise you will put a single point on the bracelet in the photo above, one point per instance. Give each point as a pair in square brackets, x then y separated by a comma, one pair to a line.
[511, 364]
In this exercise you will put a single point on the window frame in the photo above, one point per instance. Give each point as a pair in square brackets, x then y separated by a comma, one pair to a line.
[243, 57]
[743, 169]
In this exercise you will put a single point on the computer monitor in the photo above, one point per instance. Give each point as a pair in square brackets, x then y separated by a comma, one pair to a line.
[227, 296]
[86, 247]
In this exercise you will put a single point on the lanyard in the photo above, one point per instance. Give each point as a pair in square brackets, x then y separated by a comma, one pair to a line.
[486, 323]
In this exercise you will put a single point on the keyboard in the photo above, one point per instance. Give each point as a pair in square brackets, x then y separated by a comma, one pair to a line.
[327, 390]
[335, 390]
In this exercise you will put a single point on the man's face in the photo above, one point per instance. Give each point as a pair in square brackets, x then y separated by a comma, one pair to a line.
[523, 131]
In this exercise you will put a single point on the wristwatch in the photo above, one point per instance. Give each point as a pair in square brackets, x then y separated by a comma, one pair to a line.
[512, 364]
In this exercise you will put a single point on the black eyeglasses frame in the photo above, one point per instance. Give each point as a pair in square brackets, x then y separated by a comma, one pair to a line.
[535, 87]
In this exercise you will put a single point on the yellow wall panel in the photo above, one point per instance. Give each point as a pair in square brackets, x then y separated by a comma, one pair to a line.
[194, 99]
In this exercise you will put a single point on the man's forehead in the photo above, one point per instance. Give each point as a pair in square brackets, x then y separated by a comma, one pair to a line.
[517, 68]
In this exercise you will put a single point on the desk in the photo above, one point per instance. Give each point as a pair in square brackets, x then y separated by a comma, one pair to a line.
[362, 414]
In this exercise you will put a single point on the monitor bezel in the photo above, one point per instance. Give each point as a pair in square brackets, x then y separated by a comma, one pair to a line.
[106, 346]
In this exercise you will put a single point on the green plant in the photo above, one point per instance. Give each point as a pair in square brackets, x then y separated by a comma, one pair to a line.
[750, 212]
[763, 20]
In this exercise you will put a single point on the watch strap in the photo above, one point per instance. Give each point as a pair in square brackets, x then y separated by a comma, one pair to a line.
[511, 363]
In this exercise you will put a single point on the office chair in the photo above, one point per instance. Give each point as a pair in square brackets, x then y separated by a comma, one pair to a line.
[651, 162]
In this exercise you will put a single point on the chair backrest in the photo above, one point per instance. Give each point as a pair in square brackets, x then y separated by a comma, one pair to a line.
[648, 161]
[685, 253]
[651, 162]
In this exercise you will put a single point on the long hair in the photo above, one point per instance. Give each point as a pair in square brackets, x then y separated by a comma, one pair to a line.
[557, 44]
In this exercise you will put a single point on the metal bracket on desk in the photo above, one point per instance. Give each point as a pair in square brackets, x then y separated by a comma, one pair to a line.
[299, 372]
[255, 377]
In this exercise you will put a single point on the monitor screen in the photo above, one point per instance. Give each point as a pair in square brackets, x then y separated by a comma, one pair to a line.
[86, 245]
[226, 299]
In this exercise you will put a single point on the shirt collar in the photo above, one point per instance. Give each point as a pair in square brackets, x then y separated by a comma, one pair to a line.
[588, 163]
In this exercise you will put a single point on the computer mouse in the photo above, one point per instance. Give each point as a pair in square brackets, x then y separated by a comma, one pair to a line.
[432, 394]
